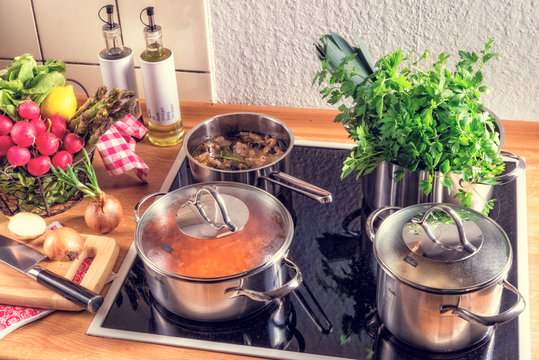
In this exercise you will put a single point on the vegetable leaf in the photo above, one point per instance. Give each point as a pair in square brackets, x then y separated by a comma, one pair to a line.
[418, 115]
[24, 79]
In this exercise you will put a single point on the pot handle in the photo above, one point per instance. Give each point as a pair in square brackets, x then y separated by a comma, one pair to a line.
[369, 225]
[273, 294]
[510, 314]
[300, 186]
[142, 201]
[513, 174]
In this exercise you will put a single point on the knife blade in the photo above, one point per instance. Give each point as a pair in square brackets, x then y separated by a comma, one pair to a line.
[25, 259]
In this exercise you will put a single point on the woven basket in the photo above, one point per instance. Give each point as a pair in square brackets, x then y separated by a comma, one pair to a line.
[44, 195]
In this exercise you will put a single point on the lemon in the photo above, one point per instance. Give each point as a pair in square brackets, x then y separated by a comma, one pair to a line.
[61, 101]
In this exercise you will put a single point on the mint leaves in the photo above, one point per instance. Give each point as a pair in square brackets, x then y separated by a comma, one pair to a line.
[417, 114]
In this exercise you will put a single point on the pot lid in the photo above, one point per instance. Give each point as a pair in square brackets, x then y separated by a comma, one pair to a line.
[213, 230]
[443, 248]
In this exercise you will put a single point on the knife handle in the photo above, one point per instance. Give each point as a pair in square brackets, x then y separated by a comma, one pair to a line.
[72, 291]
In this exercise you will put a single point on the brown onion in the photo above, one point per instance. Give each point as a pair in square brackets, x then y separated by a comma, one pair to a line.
[63, 244]
[104, 213]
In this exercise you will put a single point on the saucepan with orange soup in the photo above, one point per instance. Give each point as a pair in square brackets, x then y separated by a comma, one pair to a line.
[216, 251]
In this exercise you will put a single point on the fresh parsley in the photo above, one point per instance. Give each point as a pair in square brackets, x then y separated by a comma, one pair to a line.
[417, 114]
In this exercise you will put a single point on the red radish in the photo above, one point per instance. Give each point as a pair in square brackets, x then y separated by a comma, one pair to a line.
[73, 143]
[23, 133]
[5, 125]
[5, 144]
[47, 143]
[29, 110]
[61, 159]
[18, 155]
[38, 165]
[39, 124]
[58, 126]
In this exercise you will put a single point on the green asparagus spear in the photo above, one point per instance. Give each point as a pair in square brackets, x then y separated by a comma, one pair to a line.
[97, 133]
[91, 101]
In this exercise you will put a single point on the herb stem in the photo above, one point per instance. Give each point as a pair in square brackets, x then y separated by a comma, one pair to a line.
[227, 155]
[69, 177]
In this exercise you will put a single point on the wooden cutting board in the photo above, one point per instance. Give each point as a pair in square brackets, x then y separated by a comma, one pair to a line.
[17, 288]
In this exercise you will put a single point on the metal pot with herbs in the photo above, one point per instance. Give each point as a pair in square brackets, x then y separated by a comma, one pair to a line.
[418, 117]
[41, 126]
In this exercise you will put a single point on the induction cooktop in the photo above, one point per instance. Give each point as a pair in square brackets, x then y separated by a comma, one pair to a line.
[333, 313]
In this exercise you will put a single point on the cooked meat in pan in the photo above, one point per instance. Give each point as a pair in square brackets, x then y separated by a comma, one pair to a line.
[239, 151]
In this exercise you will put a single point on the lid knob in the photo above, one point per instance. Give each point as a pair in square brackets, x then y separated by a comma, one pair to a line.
[206, 215]
[448, 245]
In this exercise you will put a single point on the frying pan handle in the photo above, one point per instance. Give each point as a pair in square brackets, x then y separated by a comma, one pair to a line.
[510, 314]
[300, 186]
[142, 201]
[270, 295]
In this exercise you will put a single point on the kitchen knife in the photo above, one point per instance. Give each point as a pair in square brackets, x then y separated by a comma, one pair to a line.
[26, 259]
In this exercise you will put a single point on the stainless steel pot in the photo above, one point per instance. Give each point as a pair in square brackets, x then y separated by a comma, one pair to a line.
[442, 271]
[264, 177]
[185, 237]
[380, 189]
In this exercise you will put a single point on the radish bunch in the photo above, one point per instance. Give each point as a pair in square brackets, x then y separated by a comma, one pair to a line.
[35, 142]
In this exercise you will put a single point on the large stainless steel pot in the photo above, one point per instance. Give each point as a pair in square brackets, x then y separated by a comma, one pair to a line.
[380, 189]
[442, 270]
[265, 177]
[206, 225]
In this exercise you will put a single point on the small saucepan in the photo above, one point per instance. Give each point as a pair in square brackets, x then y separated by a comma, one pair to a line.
[216, 251]
[265, 176]
[442, 271]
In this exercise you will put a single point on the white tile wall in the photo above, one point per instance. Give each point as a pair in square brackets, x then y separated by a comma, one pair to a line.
[70, 30]
[18, 29]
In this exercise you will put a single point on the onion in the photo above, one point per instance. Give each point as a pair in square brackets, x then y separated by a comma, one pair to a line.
[26, 225]
[104, 213]
[62, 244]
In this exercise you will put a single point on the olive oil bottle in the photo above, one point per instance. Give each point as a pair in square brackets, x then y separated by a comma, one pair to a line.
[116, 60]
[160, 87]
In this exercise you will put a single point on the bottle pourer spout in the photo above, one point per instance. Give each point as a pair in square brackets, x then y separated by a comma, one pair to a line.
[149, 12]
[110, 13]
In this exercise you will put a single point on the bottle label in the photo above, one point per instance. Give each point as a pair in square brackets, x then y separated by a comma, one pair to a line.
[119, 73]
[160, 91]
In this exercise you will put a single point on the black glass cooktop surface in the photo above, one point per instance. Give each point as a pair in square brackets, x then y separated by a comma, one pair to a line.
[333, 314]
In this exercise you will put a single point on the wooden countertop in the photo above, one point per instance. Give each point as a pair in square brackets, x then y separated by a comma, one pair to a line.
[62, 335]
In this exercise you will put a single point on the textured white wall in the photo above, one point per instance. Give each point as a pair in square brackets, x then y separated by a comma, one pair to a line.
[263, 51]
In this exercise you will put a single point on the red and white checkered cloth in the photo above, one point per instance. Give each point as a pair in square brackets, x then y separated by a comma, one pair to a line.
[117, 148]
